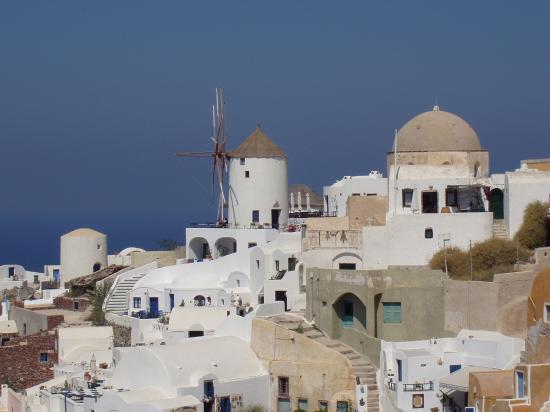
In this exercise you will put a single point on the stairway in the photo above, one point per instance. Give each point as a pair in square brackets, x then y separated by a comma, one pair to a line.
[500, 231]
[117, 299]
[362, 369]
[545, 407]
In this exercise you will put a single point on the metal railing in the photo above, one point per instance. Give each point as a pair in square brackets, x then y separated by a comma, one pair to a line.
[412, 387]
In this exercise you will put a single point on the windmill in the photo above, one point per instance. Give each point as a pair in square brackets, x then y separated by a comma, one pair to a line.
[219, 155]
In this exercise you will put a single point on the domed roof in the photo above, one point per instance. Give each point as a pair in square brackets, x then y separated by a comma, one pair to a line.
[437, 131]
[84, 232]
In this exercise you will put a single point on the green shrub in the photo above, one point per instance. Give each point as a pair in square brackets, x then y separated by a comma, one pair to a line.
[534, 231]
[487, 258]
[98, 316]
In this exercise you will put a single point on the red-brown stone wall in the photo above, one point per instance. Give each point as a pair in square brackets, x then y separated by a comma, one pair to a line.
[20, 360]
[67, 303]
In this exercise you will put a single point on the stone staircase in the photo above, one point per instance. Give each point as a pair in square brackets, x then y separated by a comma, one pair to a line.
[363, 370]
[117, 299]
[546, 406]
[500, 231]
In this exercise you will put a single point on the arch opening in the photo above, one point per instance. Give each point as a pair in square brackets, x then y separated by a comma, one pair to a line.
[199, 248]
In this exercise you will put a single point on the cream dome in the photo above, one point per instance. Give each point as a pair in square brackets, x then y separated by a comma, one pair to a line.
[437, 131]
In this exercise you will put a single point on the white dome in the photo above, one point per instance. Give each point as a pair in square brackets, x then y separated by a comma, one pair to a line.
[437, 131]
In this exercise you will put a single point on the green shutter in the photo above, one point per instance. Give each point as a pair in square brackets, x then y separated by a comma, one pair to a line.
[392, 312]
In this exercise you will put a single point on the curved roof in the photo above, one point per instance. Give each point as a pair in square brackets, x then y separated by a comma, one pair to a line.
[258, 144]
[437, 131]
[495, 383]
[129, 250]
[84, 232]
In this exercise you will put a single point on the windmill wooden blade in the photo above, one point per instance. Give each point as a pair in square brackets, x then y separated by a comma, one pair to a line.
[195, 154]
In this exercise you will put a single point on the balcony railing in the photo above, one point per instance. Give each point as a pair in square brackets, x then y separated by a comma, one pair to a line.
[412, 387]
[305, 214]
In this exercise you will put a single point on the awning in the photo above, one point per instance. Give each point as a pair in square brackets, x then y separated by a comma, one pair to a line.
[459, 380]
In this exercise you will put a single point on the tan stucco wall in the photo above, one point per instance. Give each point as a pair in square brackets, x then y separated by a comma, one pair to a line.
[538, 387]
[540, 294]
[543, 165]
[315, 372]
[438, 158]
[164, 258]
[487, 387]
[327, 223]
[367, 211]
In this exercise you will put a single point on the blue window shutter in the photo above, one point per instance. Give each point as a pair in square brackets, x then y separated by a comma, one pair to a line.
[392, 312]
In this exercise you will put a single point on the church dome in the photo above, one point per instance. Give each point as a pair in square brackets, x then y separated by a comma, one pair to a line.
[437, 131]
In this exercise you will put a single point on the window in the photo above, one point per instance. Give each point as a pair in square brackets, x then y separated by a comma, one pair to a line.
[292, 264]
[303, 405]
[137, 303]
[392, 312]
[283, 386]
[323, 406]
[97, 266]
[418, 401]
[454, 368]
[407, 197]
[428, 233]
[36, 279]
[277, 265]
[429, 202]
[11, 271]
[342, 406]
[546, 312]
[247, 173]
[520, 384]
[346, 266]
[76, 305]
[98, 246]
[43, 357]
[243, 161]
[257, 264]
[451, 197]
[252, 244]
[255, 216]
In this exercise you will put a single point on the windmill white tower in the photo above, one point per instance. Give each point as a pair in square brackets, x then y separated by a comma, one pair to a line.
[258, 183]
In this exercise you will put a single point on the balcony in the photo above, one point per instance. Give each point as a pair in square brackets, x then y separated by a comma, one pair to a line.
[411, 387]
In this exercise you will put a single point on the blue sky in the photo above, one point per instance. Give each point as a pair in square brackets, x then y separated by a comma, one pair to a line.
[96, 97]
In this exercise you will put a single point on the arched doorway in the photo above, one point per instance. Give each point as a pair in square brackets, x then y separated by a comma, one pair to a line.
[350, 312]
[199, 300]
[199, 248]
[225, 246]
[97, 267]
[496, 203]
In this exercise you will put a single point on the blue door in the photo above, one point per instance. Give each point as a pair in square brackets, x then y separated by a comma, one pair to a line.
[520, 384]
[347, 318]
[399, 370]
[225, 404]
[154, 307]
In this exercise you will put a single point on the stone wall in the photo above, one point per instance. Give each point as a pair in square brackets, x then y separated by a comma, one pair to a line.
[20, 360]
[122, 334]
[79, 304]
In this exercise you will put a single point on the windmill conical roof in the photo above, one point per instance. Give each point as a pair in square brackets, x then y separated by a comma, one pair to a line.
[258, 144]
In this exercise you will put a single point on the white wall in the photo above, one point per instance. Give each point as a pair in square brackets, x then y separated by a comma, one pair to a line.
[522, 188]
[335, 197]
[265, 189]
[79, 254]
[402, 242]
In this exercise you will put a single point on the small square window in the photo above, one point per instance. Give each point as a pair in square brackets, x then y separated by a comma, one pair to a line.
[137, 303]
[247, 173]
[407, 197]
[392, 312]
[243, 161]
[283, 386]
[428, 233]
[303, 405]
[252, 244]
[43, 357]
[76, 305]
[323, 406]
[255, 216]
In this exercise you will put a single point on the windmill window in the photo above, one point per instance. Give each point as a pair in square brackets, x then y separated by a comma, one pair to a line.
[247, 173]
[428, 233]
[243, 161]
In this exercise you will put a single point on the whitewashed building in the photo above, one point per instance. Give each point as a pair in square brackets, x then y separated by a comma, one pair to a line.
[421, 375]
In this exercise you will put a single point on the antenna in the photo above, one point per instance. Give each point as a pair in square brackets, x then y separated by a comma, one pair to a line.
[218, 154]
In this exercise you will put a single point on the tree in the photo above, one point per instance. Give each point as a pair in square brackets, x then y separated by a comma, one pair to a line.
[534, 231]
[98, 316]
